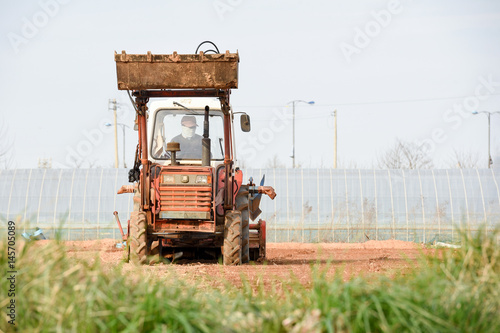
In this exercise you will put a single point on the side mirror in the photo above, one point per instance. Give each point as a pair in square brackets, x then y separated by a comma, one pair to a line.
[245, 122]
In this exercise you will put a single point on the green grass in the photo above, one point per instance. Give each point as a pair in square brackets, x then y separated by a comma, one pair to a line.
[456, 291]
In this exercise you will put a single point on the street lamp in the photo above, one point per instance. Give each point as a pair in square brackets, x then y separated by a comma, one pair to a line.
[293, 125]
[116, 147]
[490, 161]
[112, 105]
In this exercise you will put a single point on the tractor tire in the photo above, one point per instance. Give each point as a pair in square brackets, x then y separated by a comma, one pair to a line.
[138, 238]
[242, 207]
[232, 238]
[154, 255]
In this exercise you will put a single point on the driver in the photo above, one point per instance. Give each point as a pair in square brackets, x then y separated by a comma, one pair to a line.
[189, 141]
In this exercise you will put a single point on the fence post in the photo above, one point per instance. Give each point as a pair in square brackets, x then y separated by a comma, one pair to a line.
[302, 218]
[26, 201]
[10, 194]
[347, 209]
[275, 207]
[392, 206]
[437, 204]
[99, 206]
[376, 203]
[131, 198]
[331, 206]
[406, 207]
[482, 195]
[84, 198]
[422, 202]
[40, 198]
[362, 203]
[287, 205]
[496, 184]
[57, 199]
[451, 205]
[317, 184]
[70, 201]
[466, 200]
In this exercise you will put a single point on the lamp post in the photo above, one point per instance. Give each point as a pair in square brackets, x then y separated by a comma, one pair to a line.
[116, 146]
[490, 161]
[112, 106]
[335, 139]
[293, 125]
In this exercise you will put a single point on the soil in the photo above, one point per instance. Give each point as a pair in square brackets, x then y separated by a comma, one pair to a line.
[285, 261]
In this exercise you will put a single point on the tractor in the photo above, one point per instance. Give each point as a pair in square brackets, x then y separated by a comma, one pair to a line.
[189, 197]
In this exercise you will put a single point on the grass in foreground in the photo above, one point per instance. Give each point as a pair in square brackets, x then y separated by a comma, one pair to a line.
[459, 291]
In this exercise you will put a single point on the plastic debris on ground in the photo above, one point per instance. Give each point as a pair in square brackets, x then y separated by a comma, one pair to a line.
[36, 235]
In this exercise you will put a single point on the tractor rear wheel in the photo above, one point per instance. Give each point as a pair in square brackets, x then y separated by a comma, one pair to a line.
[242, 207]
[154, 255]
[138, 238]
[232, 238]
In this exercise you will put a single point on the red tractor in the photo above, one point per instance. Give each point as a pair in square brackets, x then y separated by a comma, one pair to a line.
[189, 198]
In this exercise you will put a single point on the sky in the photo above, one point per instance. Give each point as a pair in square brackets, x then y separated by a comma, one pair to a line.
[408, 70]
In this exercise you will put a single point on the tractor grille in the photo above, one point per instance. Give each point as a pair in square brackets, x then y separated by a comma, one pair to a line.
[185, 202]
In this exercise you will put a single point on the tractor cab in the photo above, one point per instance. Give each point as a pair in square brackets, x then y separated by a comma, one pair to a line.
[182, 120]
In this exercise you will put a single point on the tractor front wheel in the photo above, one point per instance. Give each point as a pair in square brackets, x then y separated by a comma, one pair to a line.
[242, 206]
[232, 238]
[138, 238]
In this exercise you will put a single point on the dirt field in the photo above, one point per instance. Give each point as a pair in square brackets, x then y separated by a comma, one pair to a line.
[284, 261]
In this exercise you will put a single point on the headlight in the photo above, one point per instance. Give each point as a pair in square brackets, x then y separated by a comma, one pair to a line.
[168, 179]
[203, 179]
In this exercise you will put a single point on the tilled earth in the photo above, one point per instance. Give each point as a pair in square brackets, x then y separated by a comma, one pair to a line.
[285, 262]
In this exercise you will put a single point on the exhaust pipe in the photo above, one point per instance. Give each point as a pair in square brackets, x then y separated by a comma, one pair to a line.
[205, 142]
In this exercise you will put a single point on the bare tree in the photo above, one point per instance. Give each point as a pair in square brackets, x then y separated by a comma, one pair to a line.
[86, 163]
[93, 164]
[405, 155]
[45, 163]
[76, 163]
[463, 159]
[274, 163]
[347, 164]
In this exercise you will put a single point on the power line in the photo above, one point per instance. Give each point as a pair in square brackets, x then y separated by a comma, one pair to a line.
[370, 103]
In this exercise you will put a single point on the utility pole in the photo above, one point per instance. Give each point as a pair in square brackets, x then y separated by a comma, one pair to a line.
[124, 163]
[113, 107]
[488, 113]
[335, 139]
[293, 135]
[116, 150]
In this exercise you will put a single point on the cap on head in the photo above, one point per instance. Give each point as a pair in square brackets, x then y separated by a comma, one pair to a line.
[188, 121]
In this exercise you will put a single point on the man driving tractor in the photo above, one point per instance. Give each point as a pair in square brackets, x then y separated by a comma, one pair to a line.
[190, 142]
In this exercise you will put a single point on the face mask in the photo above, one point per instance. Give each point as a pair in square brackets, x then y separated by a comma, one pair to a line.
[188, 132]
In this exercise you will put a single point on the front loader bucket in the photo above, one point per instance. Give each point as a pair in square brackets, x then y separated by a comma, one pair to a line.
[177, 71]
